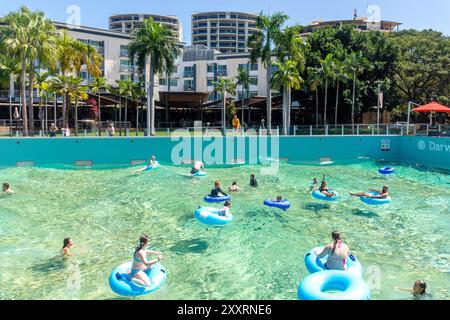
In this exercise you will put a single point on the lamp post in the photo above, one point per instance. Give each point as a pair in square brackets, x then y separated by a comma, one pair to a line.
[410, 103]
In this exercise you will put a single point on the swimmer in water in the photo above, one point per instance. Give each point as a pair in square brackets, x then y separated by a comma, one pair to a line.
[278, 199]
[67, 245]
[314, 185]
[151, 162]
[337, 253]
[217, 191]
[383, 194]
[324, 189]
[141, 264]
[234, 187]
[198, 165]
[225, 212]
[6, 189]
[253, 182]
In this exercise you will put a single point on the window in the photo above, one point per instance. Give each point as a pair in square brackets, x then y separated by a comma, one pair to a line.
[188, 72]
[124, 51]
[253, 81]
[125, 66]
[124, 77]
[210, 82]
[188, 85]
[163, 82]
[222, 70]
[211, 68]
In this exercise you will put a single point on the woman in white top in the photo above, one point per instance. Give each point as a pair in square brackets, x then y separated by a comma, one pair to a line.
[66, 131]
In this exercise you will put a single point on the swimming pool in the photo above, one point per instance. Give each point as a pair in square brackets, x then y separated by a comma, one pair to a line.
[258, 256]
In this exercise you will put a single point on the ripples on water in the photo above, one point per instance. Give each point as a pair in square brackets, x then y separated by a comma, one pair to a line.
[258, 256]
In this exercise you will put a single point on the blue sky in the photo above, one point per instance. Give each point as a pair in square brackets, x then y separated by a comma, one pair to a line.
[418, 14]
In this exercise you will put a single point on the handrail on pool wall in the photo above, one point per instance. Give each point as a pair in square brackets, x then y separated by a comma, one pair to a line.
[432, 152]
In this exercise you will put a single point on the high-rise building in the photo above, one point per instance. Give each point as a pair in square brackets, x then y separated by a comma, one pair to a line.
[126, 23]
[227, 32]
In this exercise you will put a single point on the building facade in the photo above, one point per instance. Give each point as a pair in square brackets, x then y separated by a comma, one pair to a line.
[227, 32]
[126, 22]
[198, 68]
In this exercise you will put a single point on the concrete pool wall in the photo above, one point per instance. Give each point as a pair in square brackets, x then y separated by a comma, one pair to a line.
[218, 151]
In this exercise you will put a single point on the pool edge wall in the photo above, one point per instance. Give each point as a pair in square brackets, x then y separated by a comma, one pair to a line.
[219, 151]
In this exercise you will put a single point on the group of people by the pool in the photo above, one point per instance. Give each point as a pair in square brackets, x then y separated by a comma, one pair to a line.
[336, 252]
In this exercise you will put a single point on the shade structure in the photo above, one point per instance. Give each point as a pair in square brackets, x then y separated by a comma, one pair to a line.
[432, 107]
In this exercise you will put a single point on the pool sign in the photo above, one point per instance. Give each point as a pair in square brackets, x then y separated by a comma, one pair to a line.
[386, 145]
[421, 145]
[433, 146]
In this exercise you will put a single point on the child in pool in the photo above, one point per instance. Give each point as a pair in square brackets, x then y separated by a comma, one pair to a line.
[234, 187]
[225, 212]
[418, 290]
[314, 185]
[217, 191]
[6, 189]
[279, 199]
[253, 182]
[67, 245]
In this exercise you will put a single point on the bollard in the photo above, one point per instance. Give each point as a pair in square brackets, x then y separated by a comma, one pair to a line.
[85, 132]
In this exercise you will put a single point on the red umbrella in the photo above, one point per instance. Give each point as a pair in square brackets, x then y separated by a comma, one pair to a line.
[432, 107]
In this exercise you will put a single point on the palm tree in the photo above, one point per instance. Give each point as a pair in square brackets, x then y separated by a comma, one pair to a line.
[61, 85]
[355, 64]
[15, 35]
[152, 45]
[9, 72]
[72, 55]
[290, 45]
[340, 76]
[326, 72]
[287, 77]
[262, 46]
[225, 86]
[136, 94]
[42, 48]
[314, 80]
[97, 86]
[243, 80]
[77, 92]
[42, 85]
[125, 89]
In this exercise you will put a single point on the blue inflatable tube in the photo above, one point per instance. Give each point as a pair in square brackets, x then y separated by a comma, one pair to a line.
[315, 264]
[152, 167]
[320, 196]
[120, 283]
[217, 199]
[283, 205]
[210, 216]
[375, 201]
[344, 286]
[386, 170]
[200, 174]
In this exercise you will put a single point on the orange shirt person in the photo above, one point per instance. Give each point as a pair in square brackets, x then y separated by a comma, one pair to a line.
[236, 123]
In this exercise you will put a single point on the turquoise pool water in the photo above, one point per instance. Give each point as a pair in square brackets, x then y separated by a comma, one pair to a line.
[258, 256]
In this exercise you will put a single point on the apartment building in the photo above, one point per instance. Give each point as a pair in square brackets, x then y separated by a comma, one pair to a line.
[227, 32]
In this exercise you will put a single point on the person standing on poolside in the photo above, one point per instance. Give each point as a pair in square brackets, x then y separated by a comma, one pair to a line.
[198, 165]
[66, 131]
[67, 245]
[236, 123]
[6, 188]
[383, 194]
[52, 130]
[337, 253]
[141, 264]
[111, 130]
